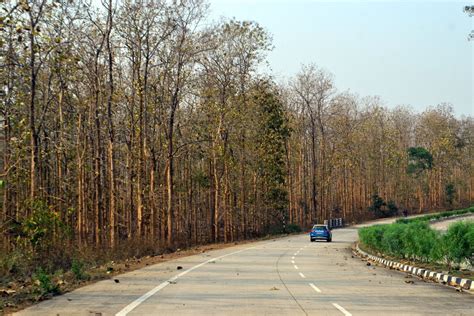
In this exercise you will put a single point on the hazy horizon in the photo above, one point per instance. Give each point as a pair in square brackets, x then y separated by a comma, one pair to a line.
[408, 53]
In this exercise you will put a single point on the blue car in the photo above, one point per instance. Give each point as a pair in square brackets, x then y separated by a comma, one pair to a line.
[320, 232]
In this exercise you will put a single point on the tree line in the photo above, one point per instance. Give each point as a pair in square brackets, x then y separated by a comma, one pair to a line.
[143, 121]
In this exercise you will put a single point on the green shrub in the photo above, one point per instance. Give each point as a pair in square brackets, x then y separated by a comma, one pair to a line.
[409, 239]
[470, 240]
[43, 230]
[45, 283]
[392, 208]
[382, 209]
[293, 228]
[450, 192]
[403, 221]
[416, 240]
[392, 240]
[78, 269]
[377, 205]
[425, 242]
[15, 262]
[458, 242]
[276, 230]
[372, 236]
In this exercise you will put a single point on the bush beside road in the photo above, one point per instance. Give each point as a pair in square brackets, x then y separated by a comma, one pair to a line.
[416, 241]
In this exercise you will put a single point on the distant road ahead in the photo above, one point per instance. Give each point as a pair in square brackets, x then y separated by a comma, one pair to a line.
[287, 276]
[443, 225]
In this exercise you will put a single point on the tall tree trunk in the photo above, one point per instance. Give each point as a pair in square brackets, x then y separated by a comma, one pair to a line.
[32, 112]
[80, 192]
[314, 197]
[170, 181]
[110, 150]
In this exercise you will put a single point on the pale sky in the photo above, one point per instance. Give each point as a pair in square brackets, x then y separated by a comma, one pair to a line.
[407, 52]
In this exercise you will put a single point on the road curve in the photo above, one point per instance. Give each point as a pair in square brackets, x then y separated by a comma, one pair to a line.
[443, 225]
[286, 276]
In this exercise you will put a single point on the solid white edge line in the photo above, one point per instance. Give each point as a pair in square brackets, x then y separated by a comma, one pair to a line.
[315, 287]
[342, 309]
[302, 275]
[127, 309]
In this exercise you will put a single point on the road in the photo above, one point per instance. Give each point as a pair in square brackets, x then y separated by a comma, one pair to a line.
[443, 225]
[285, 276]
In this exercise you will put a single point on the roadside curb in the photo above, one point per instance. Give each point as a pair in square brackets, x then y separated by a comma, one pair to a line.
[457, 283]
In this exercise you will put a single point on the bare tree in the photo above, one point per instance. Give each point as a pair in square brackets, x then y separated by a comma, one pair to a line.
[313, 88]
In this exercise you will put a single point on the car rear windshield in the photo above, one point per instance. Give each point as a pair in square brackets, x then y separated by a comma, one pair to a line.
[316, 227]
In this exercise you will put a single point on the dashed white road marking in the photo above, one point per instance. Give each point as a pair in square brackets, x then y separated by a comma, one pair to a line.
[296, 267]
[293, 257]
[127, 309]
[315, 287]
[293, 261]
[342, 309]
[295, 254]
[302, 275]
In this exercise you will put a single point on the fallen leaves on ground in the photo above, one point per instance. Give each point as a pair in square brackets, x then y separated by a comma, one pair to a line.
[7, 292]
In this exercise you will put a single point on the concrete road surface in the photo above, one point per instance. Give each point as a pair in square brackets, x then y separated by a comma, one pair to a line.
[286, 276]
[443, 225]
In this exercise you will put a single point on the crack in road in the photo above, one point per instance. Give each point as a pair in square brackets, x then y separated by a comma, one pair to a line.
[284, 284]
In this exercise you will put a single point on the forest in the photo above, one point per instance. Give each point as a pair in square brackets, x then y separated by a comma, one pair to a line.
[144, 125]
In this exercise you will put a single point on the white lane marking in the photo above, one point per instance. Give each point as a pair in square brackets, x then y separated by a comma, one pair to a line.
[293, 257]
[342, 309]
[302, 275]
[315, 287]
[293, 261]
[296, 267]
[295, 254]
[127, 309]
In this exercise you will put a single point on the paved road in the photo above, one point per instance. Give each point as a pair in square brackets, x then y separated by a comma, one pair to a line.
[287, 276]
[443, 225]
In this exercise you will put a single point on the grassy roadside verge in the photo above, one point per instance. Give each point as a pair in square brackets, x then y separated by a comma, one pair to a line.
[413, 241]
